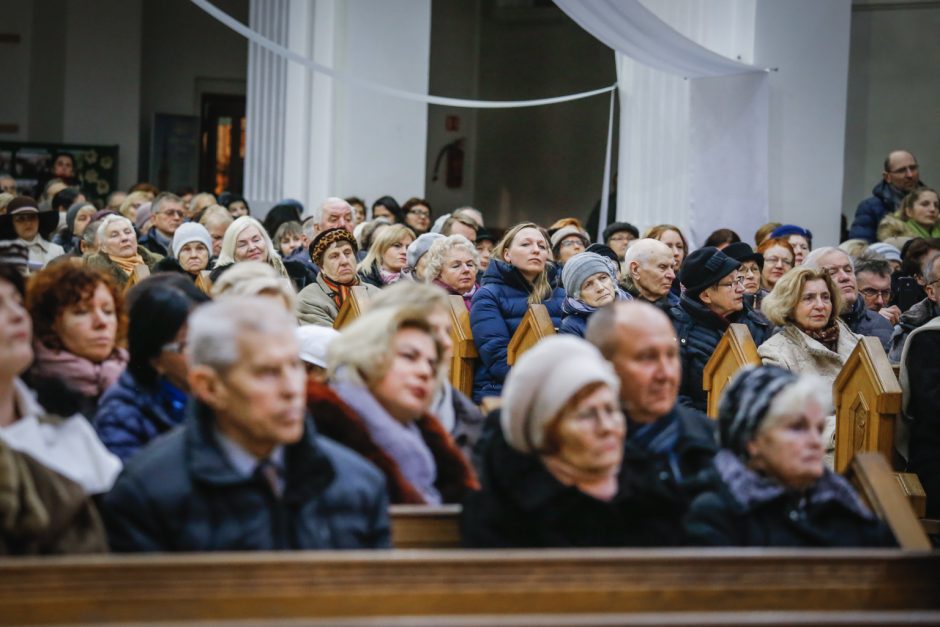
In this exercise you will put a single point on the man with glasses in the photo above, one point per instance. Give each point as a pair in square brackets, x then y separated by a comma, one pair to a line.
[900, 177]
[873, 276]
[855, 314]
[713, 299]
[922, 312]
[167, 215]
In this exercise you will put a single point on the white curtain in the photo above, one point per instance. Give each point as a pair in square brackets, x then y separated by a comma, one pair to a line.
[693, 124]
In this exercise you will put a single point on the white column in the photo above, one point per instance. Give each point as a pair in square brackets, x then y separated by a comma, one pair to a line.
[310, 136]
[267, 95]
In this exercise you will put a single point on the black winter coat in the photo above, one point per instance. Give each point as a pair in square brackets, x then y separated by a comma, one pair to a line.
[522, 505]
[864, 321]
[182, 494]
[923, 371]
[757, 511]
[698, 331]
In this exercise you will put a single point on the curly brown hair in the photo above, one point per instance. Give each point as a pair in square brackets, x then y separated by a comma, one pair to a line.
[63, 285]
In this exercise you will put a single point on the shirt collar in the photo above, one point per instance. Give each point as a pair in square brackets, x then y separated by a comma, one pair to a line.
[243, 462]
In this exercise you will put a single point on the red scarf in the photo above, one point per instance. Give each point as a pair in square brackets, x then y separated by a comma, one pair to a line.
[340, 290]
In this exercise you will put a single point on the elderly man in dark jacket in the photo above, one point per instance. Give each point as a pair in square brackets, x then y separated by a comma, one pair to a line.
[713, 299]
[855, 313]
[677, 442]
[900, 177]
[247, 470]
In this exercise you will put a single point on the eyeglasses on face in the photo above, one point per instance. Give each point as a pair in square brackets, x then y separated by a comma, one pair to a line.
[870, 292]
[419, 212]
[737, 282]
[782, 261]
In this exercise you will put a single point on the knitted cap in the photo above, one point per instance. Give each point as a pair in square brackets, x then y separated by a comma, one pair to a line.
[579, 268]
[322, 242]
[13, 253]
[542, 382]
[191, 232]
[484, 236]
[72, 213]
[887, 251]
[314, 340]
[704, 268]
[567, 231]
[742, 251]
[420, 246]
[744, 404]
[618, 227]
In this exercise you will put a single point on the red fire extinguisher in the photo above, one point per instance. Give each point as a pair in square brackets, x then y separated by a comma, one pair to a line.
[453, 152]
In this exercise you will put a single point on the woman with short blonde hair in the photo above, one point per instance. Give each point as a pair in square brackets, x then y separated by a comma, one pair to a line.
[387, 257]
[451, 264]
[246, 240]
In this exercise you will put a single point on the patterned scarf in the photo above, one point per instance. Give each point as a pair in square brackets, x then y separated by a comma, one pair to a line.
[828, 336]
[340, 291]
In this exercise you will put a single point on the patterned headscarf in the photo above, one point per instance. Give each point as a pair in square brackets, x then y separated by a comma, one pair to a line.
[745, 402]
[327, 238]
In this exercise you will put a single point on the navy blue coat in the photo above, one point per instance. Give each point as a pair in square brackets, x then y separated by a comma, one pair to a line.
[698, 331]
[497, 309]
[864, 321]
[130, 415]
[576, 318]
[872, 210]
[182, 494]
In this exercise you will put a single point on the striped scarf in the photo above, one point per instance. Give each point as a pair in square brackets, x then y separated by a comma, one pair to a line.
[340, 291]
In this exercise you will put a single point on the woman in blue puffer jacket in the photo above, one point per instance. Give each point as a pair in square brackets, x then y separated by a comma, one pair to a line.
[519, 274]
[150, 397]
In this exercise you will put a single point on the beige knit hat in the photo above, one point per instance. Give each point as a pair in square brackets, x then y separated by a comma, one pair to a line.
[542, 381]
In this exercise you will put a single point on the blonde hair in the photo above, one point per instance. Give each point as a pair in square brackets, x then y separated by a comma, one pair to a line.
[134, 198]
[778, 306]
[227, 253]
[439, 251]
[215, 213]
[388, 236]
[541, 288]
[254, 278]
[362, 354]
[199, 201]
[656, 232]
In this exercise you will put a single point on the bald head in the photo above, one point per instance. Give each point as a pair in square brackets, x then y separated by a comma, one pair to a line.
[650, 266]
[640, 342]
[901, 171]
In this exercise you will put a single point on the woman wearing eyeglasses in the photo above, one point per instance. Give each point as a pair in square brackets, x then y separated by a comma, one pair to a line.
[778, 259]
[813, 339]
[150, 397]
[417, 212]
[713, 299]
[752, 264]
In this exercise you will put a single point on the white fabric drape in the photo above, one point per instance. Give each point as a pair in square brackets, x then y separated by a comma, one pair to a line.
[692, 152]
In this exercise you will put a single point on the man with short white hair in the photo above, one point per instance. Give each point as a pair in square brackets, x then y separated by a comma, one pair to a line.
[247, 471]
[333, 213]
[649, 270]
[838, 265]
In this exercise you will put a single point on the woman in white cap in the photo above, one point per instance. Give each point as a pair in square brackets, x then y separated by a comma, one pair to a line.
[590, 283]
[557, 472]
[191, 248]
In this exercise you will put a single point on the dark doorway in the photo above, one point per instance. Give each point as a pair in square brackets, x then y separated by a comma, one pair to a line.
[222, 150]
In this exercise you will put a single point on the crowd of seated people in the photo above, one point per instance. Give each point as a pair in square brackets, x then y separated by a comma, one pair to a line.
[169, 365]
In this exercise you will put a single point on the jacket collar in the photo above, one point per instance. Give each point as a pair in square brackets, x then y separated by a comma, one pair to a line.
[307, 469]
[693, 433]
[856, 313]
[919, 314]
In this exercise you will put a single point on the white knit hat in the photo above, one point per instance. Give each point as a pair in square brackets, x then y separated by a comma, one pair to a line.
[191, 232]
[314, 340]
[542, 382]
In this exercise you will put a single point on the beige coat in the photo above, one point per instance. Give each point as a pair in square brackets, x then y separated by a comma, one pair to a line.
[797, 352]
[315, 303]
[894, 225]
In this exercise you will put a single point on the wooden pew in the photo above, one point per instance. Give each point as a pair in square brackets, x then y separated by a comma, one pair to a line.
[463, 363]
[535, 325]
[867, 399]
[352, 308]
[713, 586]
[878, 485]
[425, 526]
[735, 351]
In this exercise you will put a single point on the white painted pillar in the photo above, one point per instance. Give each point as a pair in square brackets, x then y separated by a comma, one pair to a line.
[310, 136]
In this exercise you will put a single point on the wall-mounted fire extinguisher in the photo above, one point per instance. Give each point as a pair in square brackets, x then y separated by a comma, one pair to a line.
[453, 171]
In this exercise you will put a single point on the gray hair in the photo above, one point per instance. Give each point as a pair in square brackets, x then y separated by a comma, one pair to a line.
[930, 271]
[316, 214]
[215, 214]
[215, 328]
[793, 398]
[163, 197]
[872, 265]
[254, 278]
[439, 251]
[641, 250]
[106, 222]
[812, 260]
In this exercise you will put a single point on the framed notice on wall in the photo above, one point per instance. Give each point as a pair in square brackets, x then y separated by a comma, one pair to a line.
[30, 163]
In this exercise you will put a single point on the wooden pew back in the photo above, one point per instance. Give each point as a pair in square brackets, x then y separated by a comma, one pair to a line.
[425, 526]
[304, 585]
[535, 325]
[735, 351]
[463, 363]
[867, 398]
[356, 303]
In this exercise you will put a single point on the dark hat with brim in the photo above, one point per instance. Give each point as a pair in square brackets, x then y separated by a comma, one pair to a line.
[704, 268]
[742, 251]
[48, 220]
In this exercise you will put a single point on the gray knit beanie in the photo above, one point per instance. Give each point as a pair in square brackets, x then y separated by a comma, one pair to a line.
[579, 268]
[745, 402]
[420, 246]
[543, 381]
[191, 232]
